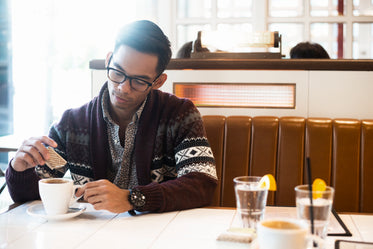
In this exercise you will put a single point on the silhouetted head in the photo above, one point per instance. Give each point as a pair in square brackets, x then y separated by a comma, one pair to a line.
[308, 50]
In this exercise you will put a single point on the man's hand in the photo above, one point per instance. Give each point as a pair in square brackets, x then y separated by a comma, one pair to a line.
[32, 152]
[103, 194]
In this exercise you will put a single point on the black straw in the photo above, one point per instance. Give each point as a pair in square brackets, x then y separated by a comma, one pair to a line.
[310, 194]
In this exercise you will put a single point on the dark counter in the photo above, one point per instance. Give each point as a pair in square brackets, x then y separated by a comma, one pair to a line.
[261, 64]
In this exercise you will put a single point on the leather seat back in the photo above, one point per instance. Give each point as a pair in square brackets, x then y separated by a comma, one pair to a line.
[340, 151]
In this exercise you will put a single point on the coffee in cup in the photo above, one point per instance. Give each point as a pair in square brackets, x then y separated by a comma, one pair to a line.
[281, 224]
[57, 194]
[55, 181]
[284, 234]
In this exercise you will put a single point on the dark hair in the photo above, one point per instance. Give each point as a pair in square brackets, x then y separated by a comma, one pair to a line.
[308, 50]
[146, 37]
[185, 50]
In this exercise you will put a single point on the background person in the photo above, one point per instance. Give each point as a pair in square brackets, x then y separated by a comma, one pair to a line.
[307, 50]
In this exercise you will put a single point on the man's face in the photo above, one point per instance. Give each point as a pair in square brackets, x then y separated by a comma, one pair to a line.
[135, 64]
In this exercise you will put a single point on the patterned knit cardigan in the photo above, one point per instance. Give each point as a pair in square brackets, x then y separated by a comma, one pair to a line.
[174, 162]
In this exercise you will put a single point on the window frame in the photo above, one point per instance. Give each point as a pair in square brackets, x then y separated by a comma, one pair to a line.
[260, 20]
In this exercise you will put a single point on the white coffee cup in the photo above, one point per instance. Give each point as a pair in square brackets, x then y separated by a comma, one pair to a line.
[285, 234]
[57, 194]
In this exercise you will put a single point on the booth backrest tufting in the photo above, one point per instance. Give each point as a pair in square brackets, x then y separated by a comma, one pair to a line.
[340, 151]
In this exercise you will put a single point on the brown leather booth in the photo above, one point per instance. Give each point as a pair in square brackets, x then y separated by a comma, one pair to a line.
[340, 151]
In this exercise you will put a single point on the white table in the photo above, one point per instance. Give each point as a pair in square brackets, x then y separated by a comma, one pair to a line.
[195, 228]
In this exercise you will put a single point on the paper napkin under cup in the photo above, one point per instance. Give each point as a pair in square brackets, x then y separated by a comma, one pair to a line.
[236, 234]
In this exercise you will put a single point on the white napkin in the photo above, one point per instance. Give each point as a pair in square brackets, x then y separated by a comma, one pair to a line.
[236, 234]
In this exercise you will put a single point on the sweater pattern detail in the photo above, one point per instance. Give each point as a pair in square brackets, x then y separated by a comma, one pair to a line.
[207, 168]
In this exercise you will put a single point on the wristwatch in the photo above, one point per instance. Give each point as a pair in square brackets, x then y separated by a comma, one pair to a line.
[136, 199]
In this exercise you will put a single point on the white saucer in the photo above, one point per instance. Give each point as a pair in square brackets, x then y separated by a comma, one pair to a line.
[37, 210]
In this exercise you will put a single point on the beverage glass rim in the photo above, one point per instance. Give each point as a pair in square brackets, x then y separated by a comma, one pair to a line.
[246, 179]
[305, 189]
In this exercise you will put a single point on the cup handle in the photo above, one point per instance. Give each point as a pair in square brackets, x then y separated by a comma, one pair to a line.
[75, 198]
[314, 238]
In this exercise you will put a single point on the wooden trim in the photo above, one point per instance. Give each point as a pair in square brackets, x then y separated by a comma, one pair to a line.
[261, 64]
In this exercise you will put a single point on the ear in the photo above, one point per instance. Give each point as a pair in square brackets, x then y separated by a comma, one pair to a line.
[108, 58]
[160, 81]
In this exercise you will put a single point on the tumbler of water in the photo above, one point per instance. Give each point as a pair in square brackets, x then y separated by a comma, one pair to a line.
[250, 200]
[322, 204]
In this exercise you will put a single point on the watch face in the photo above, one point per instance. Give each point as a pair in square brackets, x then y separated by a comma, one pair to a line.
[137, 199]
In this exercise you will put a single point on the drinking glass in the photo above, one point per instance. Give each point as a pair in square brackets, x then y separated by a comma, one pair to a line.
[250, 200]
[322, 204]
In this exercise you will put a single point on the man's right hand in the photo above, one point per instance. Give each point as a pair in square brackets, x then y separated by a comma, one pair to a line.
[32, 152]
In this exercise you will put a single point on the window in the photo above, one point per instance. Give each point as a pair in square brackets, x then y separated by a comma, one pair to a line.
[234, 8]
[6, 103]
[287, 8]
[342, 27]
[362, 7]
[53, 42]
[294, 34]
[328, 35]
[194, 9]
[195, 15]
[327, 8]
[362, 41]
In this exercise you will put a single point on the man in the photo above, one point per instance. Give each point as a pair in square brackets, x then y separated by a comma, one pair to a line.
[132, 147]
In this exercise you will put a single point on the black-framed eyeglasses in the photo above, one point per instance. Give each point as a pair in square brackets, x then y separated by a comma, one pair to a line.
[119, 77]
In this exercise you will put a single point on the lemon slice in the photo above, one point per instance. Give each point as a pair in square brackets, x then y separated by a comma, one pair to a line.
[318, 185]
[268, 182]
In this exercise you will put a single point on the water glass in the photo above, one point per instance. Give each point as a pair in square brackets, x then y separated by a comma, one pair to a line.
[250, 200]
[322, 204]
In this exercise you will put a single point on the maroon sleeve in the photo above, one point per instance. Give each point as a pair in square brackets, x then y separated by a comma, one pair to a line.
[22, 186]
[196, 189]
